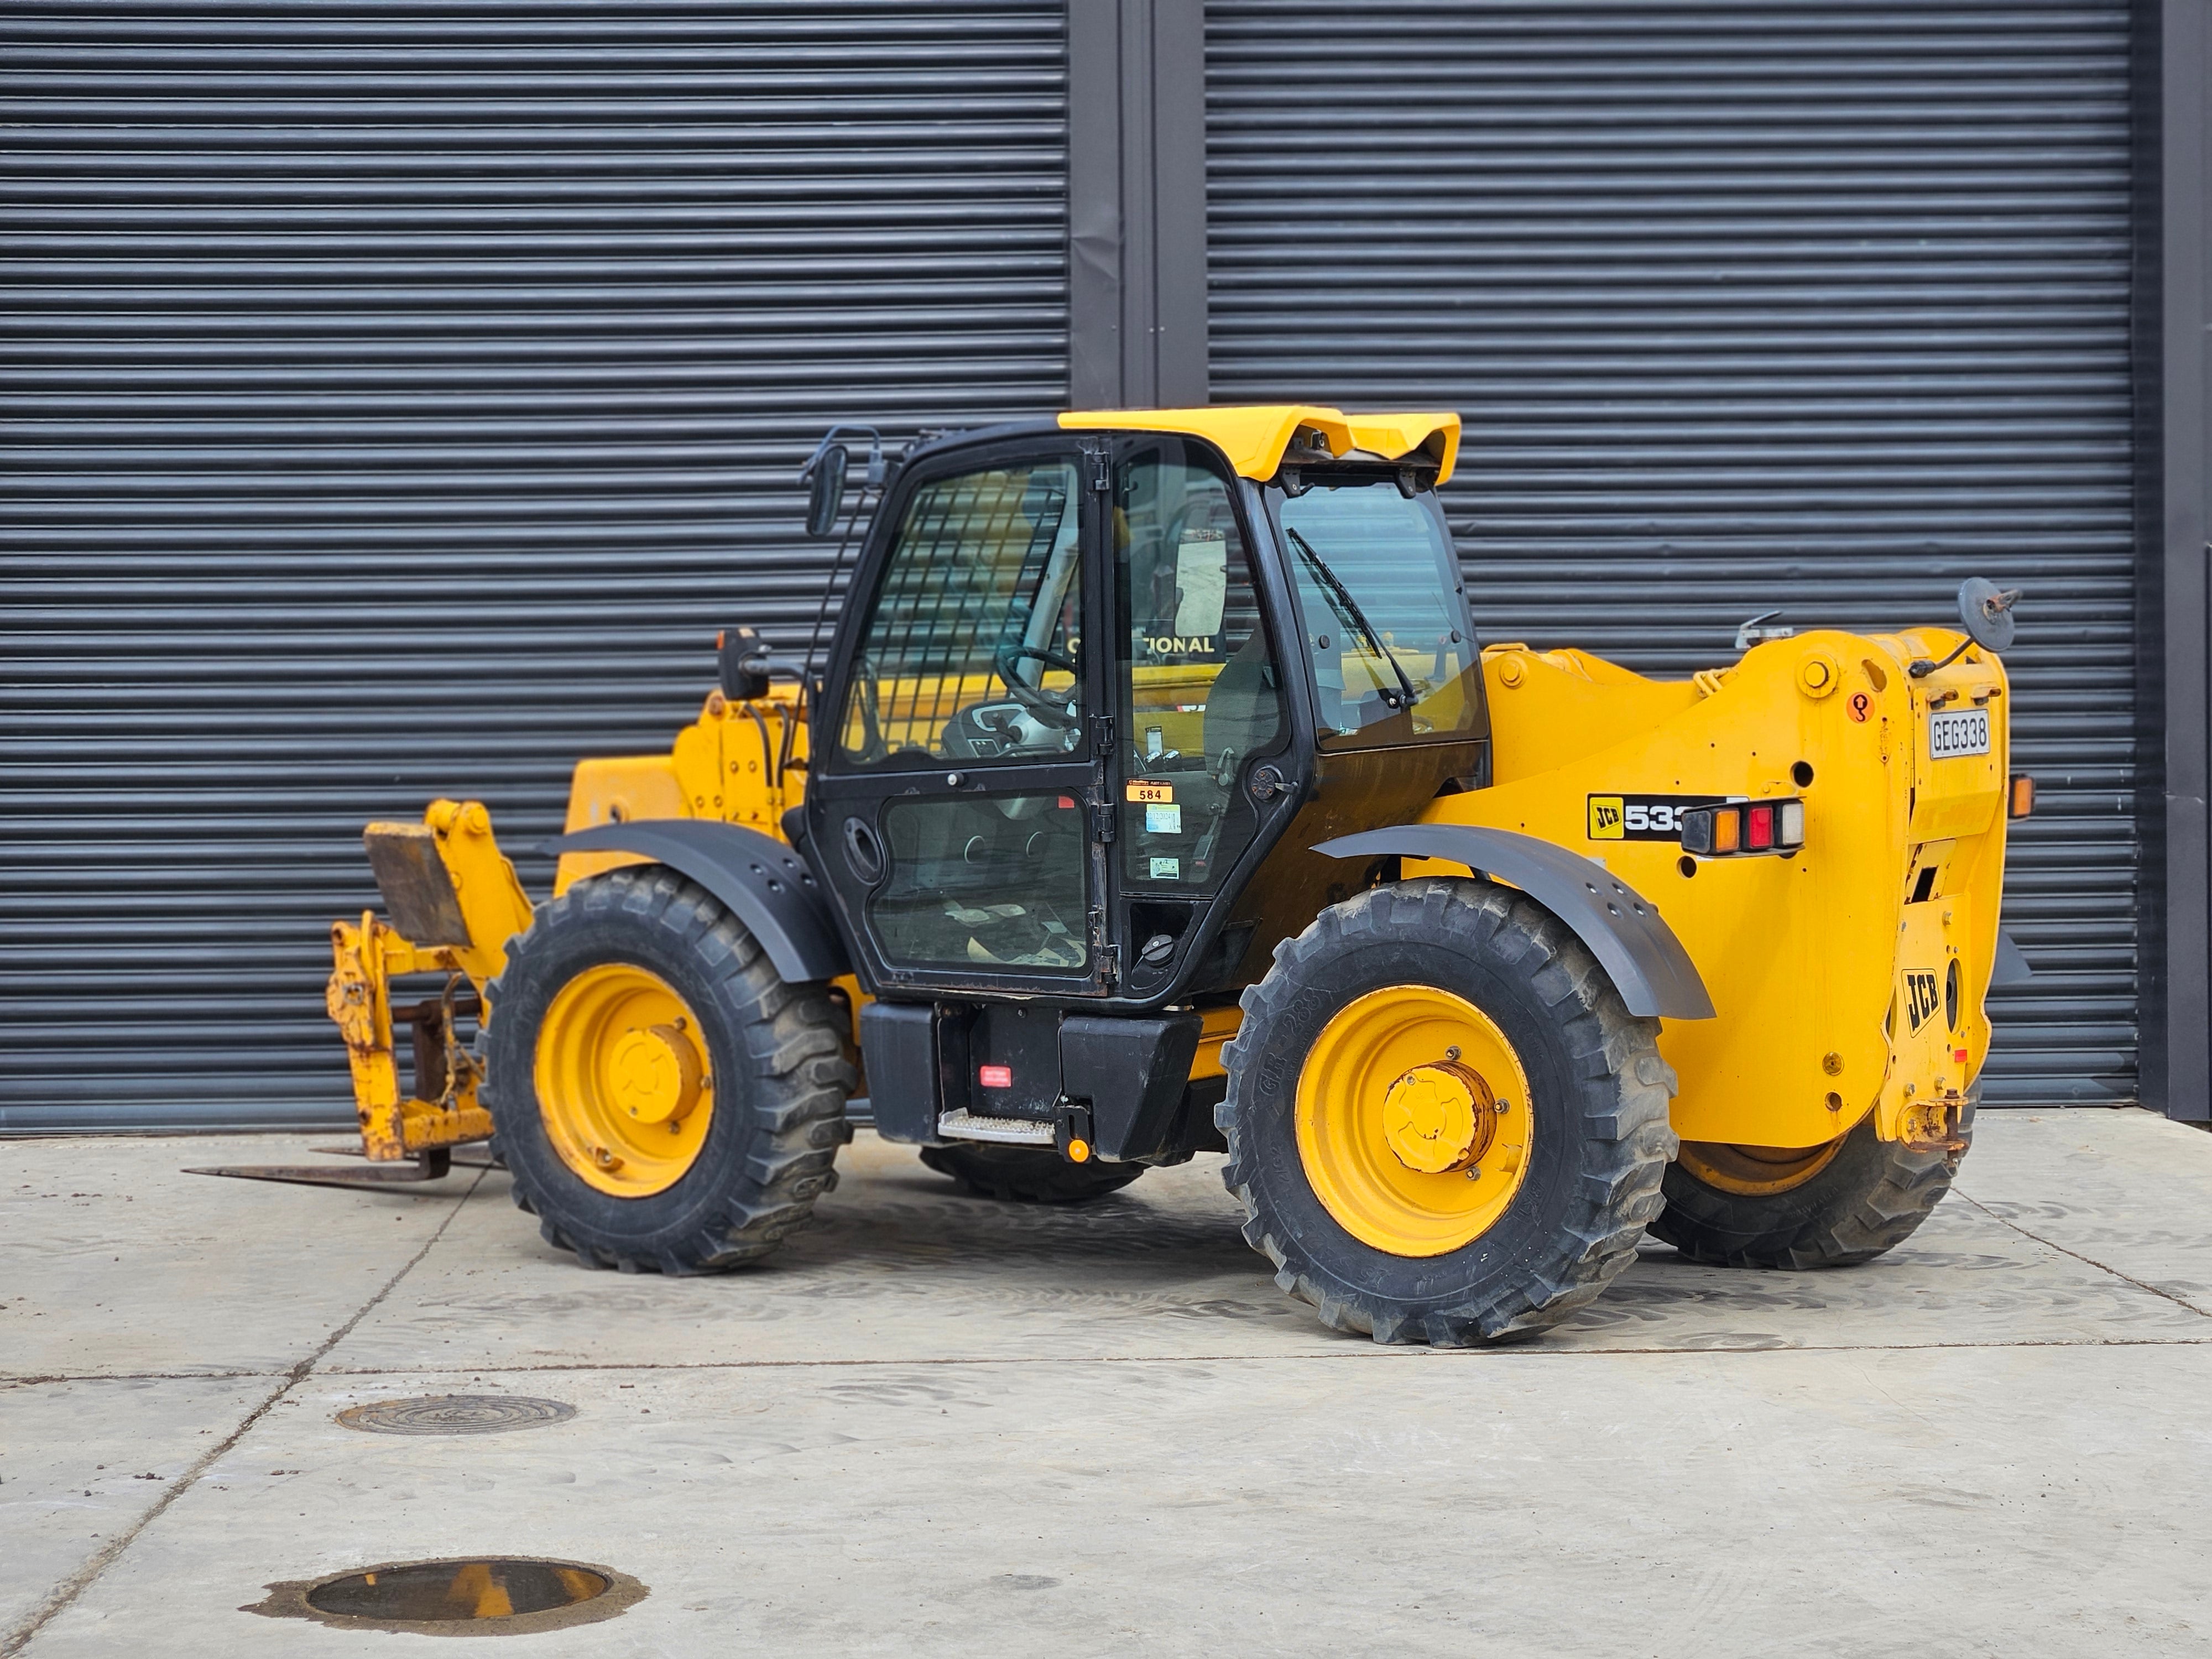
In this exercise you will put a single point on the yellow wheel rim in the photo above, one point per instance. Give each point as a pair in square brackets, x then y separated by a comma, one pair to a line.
[1413, 1121]
[1755, 1171]
[623, 1083]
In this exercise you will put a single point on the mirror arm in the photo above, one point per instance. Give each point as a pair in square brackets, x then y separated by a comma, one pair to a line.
[876, 465]
[1922, 668]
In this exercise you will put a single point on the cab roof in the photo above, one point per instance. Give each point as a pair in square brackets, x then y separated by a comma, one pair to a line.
[1253, 436]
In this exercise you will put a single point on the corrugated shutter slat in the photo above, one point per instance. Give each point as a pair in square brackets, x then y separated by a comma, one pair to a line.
[397, 401]
[1812, 305]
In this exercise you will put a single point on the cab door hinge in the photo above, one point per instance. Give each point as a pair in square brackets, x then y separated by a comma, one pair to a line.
[1103, 821]
[1101, 735]
[1097, 457]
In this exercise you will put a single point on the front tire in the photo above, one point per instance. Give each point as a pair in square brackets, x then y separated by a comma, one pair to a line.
[663, 1099]
[1361, 1156]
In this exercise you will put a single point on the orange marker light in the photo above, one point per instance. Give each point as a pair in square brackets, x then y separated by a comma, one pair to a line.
[1728, 829]
[2022, 801]
[1079, 1152]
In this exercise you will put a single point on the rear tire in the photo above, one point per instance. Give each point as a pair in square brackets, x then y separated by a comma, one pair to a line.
[777, 1071]
[1025, 1174]
[1869, 1197]
[1593, 1135]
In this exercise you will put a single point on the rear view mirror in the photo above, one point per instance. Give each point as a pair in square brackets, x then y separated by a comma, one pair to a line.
[1986, 611]
[824, 475]
[825, 481]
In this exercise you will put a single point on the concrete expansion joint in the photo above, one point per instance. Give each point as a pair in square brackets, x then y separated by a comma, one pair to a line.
[15, 1641]
[1373, 1355]
[2179, 1300]
[32, 1379]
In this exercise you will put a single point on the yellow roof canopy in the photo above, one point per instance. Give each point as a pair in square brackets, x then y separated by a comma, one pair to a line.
[1253, 436]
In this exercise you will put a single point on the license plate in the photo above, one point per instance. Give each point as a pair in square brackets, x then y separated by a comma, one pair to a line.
[1959, 732]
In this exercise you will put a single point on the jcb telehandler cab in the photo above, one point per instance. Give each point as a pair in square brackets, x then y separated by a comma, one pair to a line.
[1156, 798]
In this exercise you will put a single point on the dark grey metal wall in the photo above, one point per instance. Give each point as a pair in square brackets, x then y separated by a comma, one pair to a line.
[397, 399]
[1820, 305]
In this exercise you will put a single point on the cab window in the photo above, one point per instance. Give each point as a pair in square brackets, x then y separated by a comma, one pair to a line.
[1198, 686]
[972, 651]
[1385, 635]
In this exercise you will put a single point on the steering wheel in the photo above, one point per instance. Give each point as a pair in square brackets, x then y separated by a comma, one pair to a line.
[1041, 703]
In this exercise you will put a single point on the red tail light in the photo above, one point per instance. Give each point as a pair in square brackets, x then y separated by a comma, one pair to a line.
[1732, 827]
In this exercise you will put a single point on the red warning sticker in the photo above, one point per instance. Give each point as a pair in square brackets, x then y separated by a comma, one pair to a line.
[995, 1077]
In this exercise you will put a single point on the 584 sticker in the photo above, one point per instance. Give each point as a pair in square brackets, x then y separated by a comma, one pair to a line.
[1643, 818]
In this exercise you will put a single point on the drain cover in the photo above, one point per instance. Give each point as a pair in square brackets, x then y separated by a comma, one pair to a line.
[455, 1414]
[481, 1595]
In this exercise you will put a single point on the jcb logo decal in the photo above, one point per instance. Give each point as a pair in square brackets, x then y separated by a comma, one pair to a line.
[1641, 818]
[1921, 998]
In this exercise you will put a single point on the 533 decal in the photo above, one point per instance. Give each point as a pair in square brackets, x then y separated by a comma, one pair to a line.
[1641, 818]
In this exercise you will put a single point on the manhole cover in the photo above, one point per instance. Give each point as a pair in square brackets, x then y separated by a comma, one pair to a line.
[481, 1595]
[455, 1414]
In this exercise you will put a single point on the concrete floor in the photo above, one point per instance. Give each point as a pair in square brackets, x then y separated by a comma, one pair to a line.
[941, 1425]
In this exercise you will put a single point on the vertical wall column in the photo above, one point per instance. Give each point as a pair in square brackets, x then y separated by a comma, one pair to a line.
[2173, 317]
[1136, 109]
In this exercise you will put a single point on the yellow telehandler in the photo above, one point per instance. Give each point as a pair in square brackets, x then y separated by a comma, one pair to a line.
[1155, 797]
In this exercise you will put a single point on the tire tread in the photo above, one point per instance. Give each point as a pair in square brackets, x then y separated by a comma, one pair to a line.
[1622, 1110]
[793, 1039]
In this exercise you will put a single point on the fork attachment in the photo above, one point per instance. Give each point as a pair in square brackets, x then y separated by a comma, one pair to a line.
[454, 901]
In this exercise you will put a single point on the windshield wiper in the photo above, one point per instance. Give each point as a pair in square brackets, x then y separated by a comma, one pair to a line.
[1348, 611]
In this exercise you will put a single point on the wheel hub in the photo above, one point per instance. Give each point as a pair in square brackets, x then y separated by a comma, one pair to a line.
[622, 1083]
[1438, 1117]
[1414, 1124]
[653, 1074]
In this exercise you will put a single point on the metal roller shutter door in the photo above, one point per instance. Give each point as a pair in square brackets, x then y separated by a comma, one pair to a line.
[397, 400]
[1816, 306]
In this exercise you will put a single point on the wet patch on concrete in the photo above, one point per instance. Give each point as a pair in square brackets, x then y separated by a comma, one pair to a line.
[479, 1595]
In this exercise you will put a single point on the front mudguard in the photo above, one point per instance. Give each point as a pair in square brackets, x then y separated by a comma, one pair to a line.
[765, 884]
[1623, 929]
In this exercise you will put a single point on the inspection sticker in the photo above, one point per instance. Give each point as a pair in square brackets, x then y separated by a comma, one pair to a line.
[1641, 818]
[1148, 794]
[1163, 820]
[1167, 869]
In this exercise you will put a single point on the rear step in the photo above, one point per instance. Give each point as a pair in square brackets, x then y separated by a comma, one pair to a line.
[963, 1125]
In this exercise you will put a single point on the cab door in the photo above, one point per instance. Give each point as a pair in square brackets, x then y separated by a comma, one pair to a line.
[1202, 715]
[959, 800]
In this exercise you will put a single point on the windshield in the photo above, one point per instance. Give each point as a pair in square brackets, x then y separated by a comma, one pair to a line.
[1383, 614]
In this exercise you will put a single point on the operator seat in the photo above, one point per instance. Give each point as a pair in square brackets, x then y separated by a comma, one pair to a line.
[1243, 707]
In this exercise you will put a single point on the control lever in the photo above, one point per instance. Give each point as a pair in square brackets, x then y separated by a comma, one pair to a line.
[1224, 779]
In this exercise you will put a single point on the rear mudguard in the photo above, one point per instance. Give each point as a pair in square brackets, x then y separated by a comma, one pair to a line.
[765, 883]
[1624, 930]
